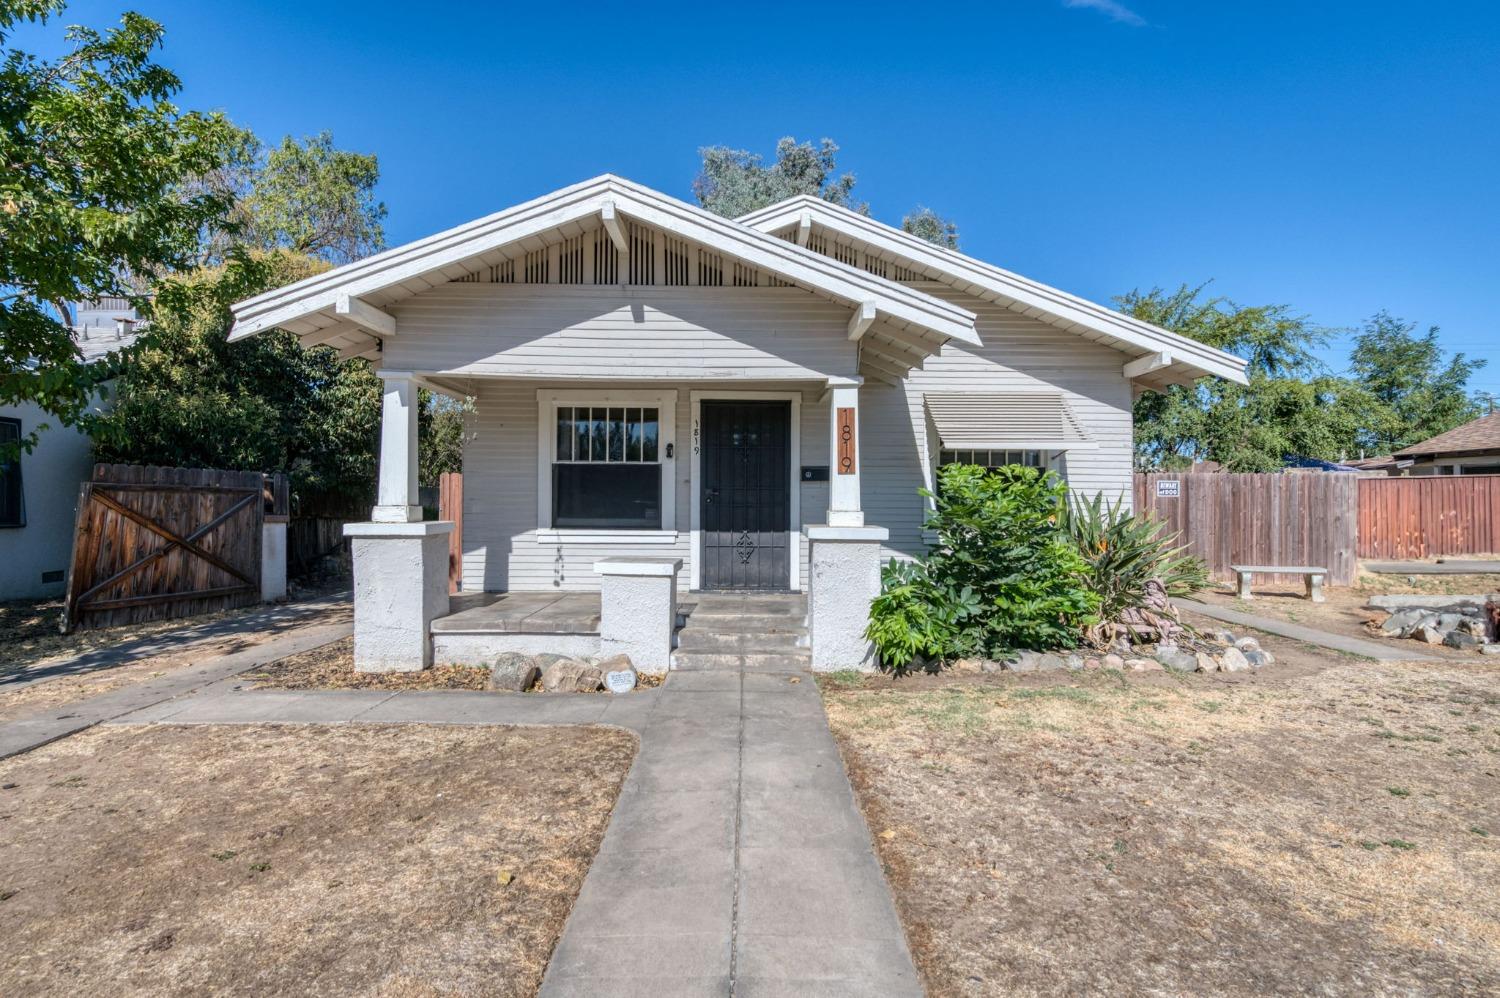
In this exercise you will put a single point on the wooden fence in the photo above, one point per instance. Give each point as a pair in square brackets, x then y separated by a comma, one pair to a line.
[1422, 517]
[451, 507]
[1286, 519]
[153, 543]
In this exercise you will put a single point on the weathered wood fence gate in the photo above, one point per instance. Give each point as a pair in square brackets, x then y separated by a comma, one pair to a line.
[152, 543]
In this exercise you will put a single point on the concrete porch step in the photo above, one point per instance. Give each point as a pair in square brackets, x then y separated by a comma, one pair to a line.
[740, 642]
[798, 660]
[746, 624]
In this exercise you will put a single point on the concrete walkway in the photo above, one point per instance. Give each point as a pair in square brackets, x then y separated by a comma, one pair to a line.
[301, 631]
[736, 861]
[1456, 566]
[1307, 635]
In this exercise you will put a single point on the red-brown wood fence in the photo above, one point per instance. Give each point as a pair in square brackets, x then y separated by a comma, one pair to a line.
[1402, 518]
[451, 507]
[153, 543]
[1288, 519]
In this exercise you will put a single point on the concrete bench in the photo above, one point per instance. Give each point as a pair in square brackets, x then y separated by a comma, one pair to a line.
[1313, 574]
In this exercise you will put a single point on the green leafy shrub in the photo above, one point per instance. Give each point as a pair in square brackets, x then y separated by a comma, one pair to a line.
[1001, 575]
[1121, 552]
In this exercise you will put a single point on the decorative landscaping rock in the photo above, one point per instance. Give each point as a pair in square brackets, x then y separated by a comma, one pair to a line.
[1428, 634]
[1259, 659]
[1143, 665]
[1247, 644]
[1234, 660]
[1206, 662]
[1219, 636]
[1051, 662]
[1461, 640]
[1177, 660]
[1400, 623]
[1074, 662]
[571, 676]
[1491, 649]
[619, 674]
[1093, 663]
[1114, 661]
[1474, 627]
[513, 672]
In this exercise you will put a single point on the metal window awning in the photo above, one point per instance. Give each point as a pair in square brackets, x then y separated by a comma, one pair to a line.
[1019, 421]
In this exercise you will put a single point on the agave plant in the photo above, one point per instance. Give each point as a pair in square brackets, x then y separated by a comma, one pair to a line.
[1122, 552]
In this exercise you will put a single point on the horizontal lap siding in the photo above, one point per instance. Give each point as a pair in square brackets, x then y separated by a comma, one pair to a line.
[608, 332]
[1019, 354]
[501, 548]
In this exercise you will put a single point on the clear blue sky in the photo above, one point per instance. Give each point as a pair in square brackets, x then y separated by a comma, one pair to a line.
[1340, 157]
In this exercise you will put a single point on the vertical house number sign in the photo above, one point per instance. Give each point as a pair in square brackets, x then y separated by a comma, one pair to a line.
[846, 441]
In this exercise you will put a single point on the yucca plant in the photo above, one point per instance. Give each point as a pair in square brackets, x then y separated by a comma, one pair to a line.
[1122, 552]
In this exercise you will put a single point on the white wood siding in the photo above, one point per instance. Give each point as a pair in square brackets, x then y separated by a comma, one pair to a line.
[1020, 353]
[502, 550]
[659, 333]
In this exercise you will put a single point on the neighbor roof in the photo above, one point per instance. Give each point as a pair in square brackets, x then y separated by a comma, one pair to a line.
[321, 308]
[1482, 434]
[1165, 357]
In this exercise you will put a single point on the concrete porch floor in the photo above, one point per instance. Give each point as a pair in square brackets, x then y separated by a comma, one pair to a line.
[578, 613]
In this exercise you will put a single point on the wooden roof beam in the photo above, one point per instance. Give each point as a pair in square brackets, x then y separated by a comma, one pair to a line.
[1149, 364]
[804, 227]
[376, 322]
[862, 320]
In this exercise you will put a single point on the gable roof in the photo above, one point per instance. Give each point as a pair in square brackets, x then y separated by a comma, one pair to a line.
[1481, 434]
[1164, 357]
[323, 307]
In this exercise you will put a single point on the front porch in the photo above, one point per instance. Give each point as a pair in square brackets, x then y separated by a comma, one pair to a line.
[711, 631]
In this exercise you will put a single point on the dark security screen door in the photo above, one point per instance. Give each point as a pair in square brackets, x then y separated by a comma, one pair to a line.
[746, 495]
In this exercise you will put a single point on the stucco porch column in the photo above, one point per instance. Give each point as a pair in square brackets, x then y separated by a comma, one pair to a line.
[400, 563]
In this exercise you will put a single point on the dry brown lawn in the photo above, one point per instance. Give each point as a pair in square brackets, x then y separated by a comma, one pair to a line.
[395, 860]
[1326, 826]
[331, 667]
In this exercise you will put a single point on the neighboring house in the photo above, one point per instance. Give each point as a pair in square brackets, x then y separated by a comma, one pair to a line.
[1470, 449]
[39, 491]
[653, 381]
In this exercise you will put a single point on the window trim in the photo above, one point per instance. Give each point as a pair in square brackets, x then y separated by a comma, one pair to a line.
[20, 520]
[665, 403]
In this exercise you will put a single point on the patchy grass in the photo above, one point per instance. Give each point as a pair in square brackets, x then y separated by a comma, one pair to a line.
[29, 632]
[395, 860]
[1313, 830]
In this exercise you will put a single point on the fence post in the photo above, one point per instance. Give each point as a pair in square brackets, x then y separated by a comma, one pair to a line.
[273, 546]
[451, 508]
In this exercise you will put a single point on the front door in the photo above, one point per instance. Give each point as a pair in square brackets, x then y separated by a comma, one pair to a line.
[746, 495]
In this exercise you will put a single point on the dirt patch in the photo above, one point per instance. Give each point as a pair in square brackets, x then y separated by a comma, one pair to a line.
[29, 632]
[1343, 611]
[394, 860]
[331, 667]
[1328, 828]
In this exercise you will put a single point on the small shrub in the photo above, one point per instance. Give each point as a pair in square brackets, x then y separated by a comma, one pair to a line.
[1001, 575]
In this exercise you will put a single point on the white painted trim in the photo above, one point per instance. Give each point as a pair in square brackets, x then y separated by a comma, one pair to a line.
[862, 319]
[665, 401]
[365, 315]
[695, 475]
[425, 528]
[966, 273]
[1142, 366]
[557, 535]
[638, 566]
[823, 532]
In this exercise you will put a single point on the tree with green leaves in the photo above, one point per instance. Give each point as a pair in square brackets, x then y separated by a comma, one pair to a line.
[1291, 407]
[924, 223]
[96, 189]
[315, 199]
[734, 182]
[1420, 394]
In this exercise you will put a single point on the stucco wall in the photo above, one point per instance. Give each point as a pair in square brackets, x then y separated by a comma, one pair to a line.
[50, 477]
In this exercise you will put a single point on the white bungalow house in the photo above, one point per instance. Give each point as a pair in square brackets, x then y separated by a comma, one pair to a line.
[668, 401]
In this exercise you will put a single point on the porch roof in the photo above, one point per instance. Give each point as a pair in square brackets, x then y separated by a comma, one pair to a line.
[347, 306]
[1161, 357]
[1020, 421]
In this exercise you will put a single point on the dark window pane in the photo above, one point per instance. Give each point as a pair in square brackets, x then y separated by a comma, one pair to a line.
[617, 434]
[606, 495]
[12, 512]
[598, 433]
[648, 434]
[632, 434]
[564, 433]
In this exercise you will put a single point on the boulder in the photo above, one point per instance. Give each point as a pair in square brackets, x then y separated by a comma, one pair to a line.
[1234, 660]
[1024, 661]
[1073, 661]
[1399, 624]
[1459, 639]
[513, 672]
[571, 676]
[1428, 634]
[1120, 647]
[965, 666]
[1051, 662]
[620, 668]
[1113, 661]
[1176, 659]
[1259, 659]
[1247, 644]
[1207, 663]
[1490, 649]
[1475, 627]
[546, 658]
[1219, 636]
[1093, 663]
[1143, 665]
